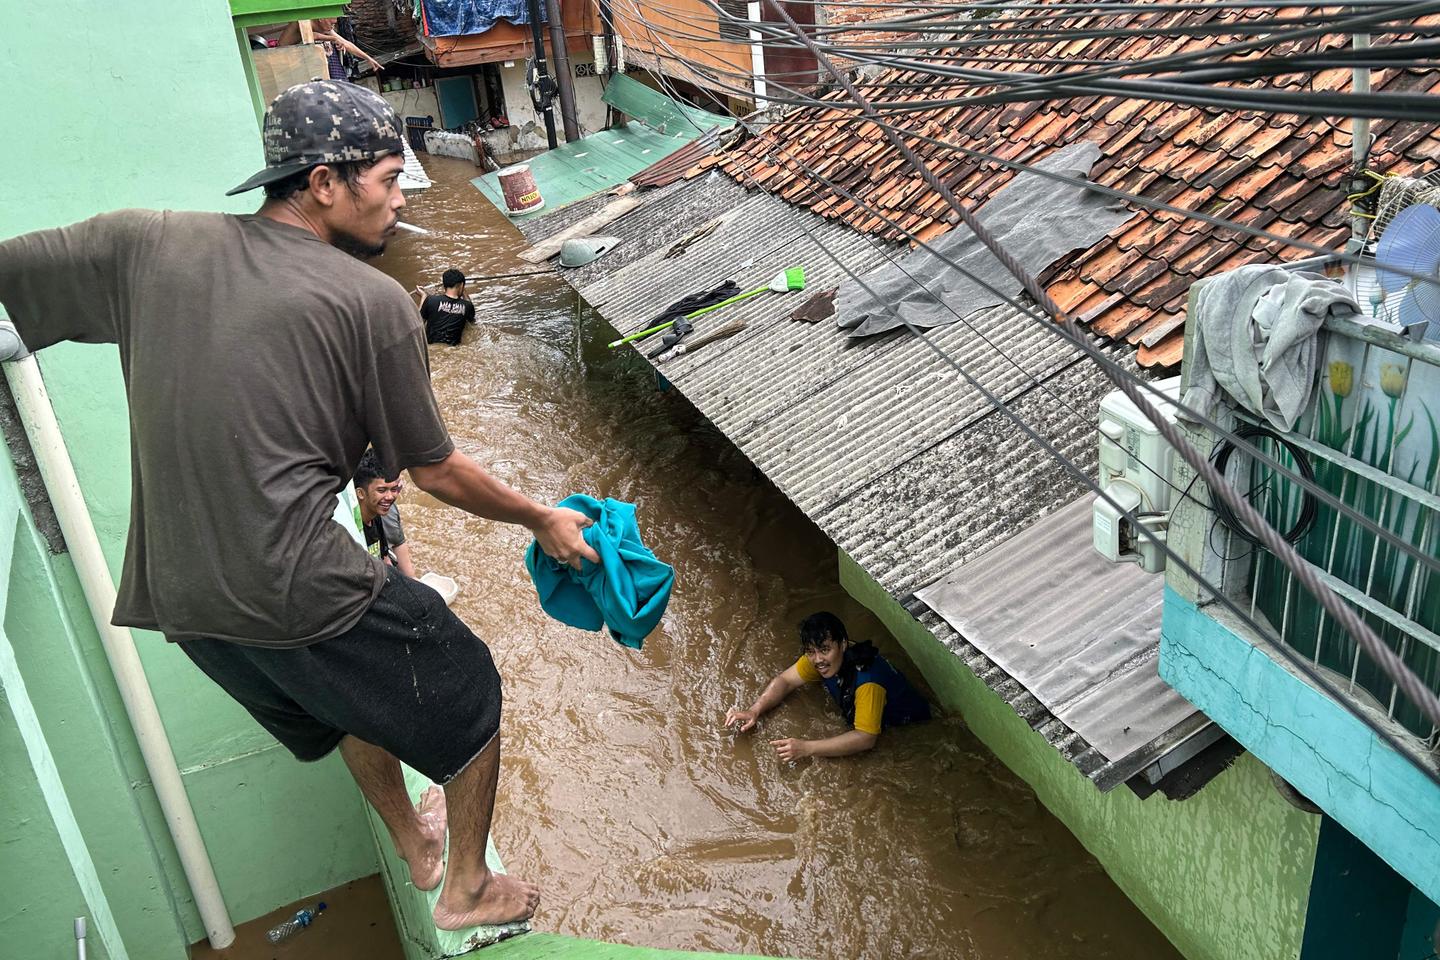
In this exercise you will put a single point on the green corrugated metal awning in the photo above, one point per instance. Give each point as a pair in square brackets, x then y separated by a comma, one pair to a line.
[573, 171]
[254, 13]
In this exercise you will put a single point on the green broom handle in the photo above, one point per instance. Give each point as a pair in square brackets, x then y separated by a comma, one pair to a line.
[725, 303]
[640, 334]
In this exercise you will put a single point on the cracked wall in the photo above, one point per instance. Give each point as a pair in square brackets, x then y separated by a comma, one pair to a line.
[1305, 737]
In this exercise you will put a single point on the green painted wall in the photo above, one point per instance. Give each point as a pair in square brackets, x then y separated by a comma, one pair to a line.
[155, 112]
[1224, 874]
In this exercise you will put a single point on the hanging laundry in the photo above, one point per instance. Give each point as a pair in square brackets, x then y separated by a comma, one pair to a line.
[460, 18]
[1255, 342]
[627, 591]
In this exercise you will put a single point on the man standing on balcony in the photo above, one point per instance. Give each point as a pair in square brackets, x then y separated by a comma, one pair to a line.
[253, 393]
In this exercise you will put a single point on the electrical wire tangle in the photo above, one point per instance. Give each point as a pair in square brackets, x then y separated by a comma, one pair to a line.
[1220, 488]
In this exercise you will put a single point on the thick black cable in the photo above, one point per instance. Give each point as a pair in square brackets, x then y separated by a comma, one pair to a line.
[1396, 669]
[1221, 459]
[1216, 489]
[780, 126]
[1301, 664]
[1046, 324]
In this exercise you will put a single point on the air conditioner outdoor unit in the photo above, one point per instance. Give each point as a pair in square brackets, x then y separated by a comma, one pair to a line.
[1135, 471]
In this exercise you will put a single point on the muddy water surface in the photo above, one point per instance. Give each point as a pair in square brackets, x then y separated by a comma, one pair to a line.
[621, 793]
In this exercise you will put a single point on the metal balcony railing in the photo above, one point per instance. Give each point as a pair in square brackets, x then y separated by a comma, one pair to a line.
[1372, 438]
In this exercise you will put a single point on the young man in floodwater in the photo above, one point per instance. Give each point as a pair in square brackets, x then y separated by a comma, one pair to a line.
[262, 368]
[870, 693]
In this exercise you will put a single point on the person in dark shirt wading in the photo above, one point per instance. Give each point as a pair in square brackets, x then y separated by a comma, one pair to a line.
[260, 366]
[445, 314]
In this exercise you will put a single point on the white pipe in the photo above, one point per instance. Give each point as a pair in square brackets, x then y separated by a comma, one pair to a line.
[58, 472]
[757, 58]
[1359, 140]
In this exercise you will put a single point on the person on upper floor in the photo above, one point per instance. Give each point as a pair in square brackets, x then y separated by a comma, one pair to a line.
[870, 693]
[446, 314]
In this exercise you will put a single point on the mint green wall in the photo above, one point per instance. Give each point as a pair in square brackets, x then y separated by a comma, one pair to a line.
[1223, 874]
[1307, 738]
[154, 110]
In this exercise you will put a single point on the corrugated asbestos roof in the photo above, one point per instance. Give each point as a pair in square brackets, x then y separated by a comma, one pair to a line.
[905, 466]
[1285, 174]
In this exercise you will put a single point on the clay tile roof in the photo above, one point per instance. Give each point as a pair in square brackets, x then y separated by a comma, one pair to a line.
[1281, 173]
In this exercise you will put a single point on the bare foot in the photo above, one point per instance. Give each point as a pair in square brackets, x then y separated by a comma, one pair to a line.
[500, 899]
[427, 864]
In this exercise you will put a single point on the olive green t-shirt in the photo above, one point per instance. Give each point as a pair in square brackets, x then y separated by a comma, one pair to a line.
[259, 363]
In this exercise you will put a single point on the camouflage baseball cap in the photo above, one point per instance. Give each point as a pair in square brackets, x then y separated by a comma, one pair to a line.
[324, 121]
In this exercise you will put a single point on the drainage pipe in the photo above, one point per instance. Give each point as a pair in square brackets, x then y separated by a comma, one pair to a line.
[58, 473]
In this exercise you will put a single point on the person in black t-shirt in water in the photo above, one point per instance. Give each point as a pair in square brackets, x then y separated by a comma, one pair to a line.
[445, 314]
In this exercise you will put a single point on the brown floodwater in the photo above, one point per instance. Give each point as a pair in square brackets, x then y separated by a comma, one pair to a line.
[621, 793]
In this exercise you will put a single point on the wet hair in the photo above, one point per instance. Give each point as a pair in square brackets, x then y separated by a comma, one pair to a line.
[452, 278]
[369, 470]
[348, 173]
[817, 628]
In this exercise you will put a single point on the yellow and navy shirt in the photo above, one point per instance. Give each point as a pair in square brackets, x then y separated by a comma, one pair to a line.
[882, 695]
[869, 697]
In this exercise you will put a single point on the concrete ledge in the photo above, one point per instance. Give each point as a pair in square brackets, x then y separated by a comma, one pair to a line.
[413, 908]
[1307, 738]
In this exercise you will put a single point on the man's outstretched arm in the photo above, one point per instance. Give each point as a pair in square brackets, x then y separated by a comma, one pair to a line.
[775, 691]
[60, 284]
[461, 482]
[840, 745]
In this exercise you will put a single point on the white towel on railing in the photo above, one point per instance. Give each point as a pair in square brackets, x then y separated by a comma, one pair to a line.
[1255, 340]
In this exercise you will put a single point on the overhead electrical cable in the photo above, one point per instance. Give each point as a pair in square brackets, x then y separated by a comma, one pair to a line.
[1430, 706]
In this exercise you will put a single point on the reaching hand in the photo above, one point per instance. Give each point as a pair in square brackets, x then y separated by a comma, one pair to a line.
[743, 721]
[791, 748]
[560, 537]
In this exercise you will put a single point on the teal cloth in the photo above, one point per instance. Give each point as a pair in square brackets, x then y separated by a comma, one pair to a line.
[626, 591]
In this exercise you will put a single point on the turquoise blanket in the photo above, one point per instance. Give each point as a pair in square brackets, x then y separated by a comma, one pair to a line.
[626, 591]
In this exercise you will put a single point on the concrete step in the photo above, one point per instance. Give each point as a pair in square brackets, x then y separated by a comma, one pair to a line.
[512, 941]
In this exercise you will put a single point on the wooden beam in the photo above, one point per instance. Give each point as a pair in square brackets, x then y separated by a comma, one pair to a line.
[607, 214]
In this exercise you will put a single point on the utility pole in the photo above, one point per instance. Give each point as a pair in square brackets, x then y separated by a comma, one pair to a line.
[1359, 144]
[543, 91]
[607, 28]
[757, 58]
[563, 74]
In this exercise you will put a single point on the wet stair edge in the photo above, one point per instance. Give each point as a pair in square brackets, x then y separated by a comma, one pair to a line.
[422, 940]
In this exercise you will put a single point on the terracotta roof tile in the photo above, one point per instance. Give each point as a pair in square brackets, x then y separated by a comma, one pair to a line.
[1275, 172]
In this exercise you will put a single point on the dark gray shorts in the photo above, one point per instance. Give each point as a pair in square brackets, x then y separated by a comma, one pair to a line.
[409, 677]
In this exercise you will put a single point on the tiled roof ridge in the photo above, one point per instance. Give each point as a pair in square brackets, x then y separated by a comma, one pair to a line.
[1282, 173]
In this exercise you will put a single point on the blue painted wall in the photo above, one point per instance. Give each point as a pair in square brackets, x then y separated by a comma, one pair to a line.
[1314, 743]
